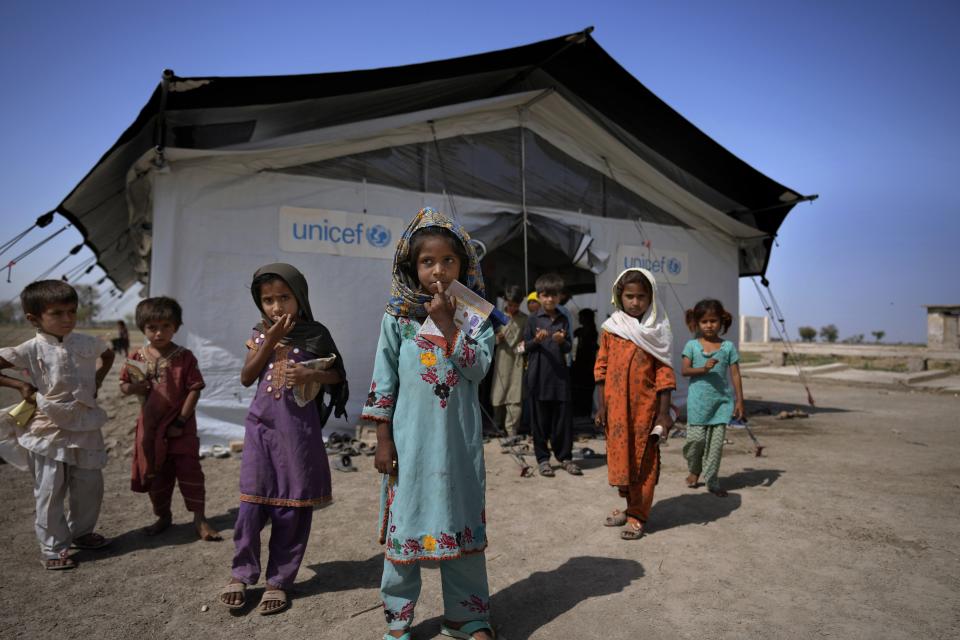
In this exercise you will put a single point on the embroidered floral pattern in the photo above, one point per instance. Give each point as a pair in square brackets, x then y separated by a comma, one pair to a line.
[412, 546]
[428, 359]
[447, 541]
[405, 614]
[442, 545]
[468, 353]
[384, 401]
[407, 330]
[441, 387]
[476, 604]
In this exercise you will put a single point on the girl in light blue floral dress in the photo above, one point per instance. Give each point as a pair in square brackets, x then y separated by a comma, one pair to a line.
[429, 443]
[710, 404]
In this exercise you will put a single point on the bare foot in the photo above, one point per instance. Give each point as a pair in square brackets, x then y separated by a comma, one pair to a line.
[205, 530]
[162, 524]
[720, 493]
[480, 634]
[693, 481]
[269, 606]
[234, 598]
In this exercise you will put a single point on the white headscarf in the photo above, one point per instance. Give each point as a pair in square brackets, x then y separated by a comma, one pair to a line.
[652, 332]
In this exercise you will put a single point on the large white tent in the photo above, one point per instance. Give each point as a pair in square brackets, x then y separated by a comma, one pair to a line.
[551, 154]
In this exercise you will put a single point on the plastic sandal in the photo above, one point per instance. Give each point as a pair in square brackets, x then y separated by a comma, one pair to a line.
[273, 594]
[634, 531]
[467, 630]
[234, 587]
[616, 518]
[343, 463]
[62, 563]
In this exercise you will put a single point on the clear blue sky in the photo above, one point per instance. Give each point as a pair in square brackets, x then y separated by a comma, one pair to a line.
[856, 101]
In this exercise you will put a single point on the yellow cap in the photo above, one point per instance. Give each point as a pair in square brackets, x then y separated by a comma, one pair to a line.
[533, 296]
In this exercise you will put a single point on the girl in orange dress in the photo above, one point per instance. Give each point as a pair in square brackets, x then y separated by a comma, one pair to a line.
[635, 377]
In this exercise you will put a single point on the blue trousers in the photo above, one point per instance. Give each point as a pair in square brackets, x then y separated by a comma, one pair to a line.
[466, 595]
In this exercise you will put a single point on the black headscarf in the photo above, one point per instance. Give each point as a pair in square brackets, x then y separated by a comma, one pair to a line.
[309, 335]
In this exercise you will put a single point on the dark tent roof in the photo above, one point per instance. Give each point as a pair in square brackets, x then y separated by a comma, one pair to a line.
[206, 113]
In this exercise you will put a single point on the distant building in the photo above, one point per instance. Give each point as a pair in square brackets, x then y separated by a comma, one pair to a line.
[943, 326]
[754, 329]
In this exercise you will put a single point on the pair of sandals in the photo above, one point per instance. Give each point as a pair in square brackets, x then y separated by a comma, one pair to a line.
[617, 518]
[349, 446]
[270, 595]
[568, 465]
[63, 562]
[463, 633]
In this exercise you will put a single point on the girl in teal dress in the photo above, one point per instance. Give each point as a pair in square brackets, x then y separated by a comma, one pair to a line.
[710, 404]
[424, 400]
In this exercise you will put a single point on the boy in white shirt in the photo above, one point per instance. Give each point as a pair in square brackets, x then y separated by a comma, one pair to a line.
[63, 439]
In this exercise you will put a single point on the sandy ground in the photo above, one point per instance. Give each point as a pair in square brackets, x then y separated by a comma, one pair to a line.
[846, 528]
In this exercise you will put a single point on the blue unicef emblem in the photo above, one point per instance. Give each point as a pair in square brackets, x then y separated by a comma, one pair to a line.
[378, 236]
[674, 266]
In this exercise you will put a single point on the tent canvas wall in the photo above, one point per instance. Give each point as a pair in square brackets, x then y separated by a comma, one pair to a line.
[325, 171]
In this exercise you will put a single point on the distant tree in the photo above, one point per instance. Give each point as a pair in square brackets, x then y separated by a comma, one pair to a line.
[807, 334]
[88, 308]
[854, 339]
[10, 312]
[829, 333]
[878, 335]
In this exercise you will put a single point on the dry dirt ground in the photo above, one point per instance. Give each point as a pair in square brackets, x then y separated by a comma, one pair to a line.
[845, 528]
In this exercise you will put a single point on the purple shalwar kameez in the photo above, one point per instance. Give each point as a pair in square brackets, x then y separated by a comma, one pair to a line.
[284, 473]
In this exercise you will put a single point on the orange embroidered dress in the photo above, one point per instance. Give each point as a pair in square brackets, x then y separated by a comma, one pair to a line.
[632, 378]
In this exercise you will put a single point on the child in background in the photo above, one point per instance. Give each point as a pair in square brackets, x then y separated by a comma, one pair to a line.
[533, 304]
[284, 473]
[507, 390]
[635, 377]
[122, 342]
[429, 444]
[65, 447]
[167, 448]
[710, 405]
[546, 341]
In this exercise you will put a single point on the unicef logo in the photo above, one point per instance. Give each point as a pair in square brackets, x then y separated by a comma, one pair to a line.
[674, 266]
[378, 236]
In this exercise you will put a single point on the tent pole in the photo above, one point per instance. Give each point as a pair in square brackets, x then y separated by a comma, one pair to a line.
[523, 203]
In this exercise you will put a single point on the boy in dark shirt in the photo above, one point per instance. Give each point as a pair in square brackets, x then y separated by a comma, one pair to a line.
[546, 342]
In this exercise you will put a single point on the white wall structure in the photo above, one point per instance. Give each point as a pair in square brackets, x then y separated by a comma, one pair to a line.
[754, 329]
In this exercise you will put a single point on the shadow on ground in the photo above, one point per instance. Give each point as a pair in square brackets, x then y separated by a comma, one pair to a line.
[343, 575]
[751, 478]
[178, 533]
[771, 408]
[527, 605]
[697, 507]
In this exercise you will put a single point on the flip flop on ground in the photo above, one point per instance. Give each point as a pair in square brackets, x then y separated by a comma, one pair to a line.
[633, 531]
[616, 518]
[90, 541]
[229, 590]
[467, 629]
[545, 469]
[278, 596]
[62, 563]
[571, 467]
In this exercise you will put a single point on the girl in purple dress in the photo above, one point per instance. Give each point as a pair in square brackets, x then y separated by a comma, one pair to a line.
[284, 473]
